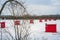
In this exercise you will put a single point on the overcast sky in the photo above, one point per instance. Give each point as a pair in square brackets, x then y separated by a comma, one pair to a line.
[41, 7]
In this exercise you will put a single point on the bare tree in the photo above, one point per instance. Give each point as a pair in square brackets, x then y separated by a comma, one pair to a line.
[17, 9]
[4, 31]
[21, 33]
[12, 3]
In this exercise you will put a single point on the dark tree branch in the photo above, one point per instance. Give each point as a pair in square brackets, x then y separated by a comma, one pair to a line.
[3, 7]
[21, 5]
[10, 1]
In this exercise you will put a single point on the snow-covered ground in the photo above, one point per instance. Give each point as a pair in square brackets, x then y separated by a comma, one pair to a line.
[37, 30]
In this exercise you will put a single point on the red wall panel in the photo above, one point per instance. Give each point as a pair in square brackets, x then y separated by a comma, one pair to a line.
[2, 24]
[50, 28]
[17, 22]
